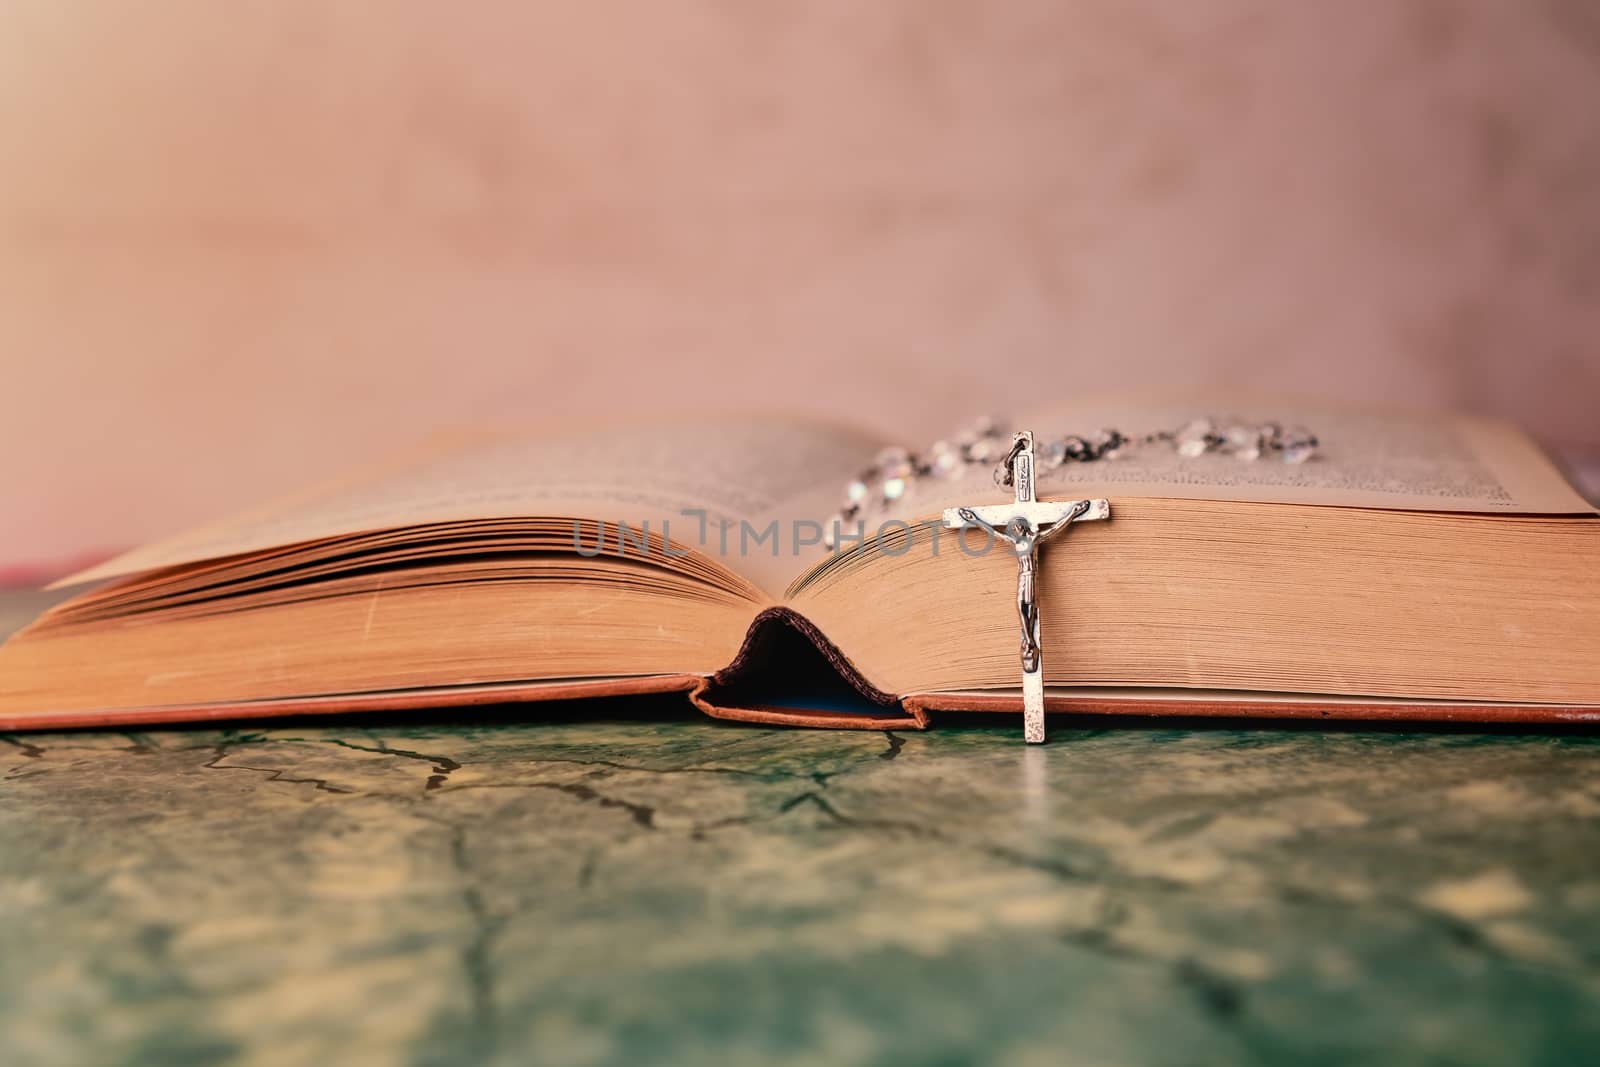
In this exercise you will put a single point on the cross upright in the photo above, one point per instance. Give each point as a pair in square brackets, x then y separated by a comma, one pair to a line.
[1025, 524]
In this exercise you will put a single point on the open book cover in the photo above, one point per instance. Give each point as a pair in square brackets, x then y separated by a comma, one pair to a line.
[1418, 567]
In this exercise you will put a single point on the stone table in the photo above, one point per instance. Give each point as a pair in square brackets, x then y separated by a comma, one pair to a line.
[631, 883]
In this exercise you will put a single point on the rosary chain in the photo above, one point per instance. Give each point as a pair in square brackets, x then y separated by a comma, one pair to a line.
[896, 470]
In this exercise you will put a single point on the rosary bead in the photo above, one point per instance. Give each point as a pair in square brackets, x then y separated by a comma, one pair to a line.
[1298, 446]
[1244, 441]
[1195, 438]
[982, 450]
[895, 471]
[1108, 444]
[946, 461]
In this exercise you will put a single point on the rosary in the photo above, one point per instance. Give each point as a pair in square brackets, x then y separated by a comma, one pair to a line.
[1028, 522]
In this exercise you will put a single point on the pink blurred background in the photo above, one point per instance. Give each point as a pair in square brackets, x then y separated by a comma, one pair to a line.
[245, 240]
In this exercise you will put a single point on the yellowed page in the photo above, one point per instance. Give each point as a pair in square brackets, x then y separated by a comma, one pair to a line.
[1395, 461]
[688, 480]
[1403, 461]
[721, 484]
[1373, 459]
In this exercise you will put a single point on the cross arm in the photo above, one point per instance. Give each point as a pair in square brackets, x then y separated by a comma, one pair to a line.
[1041, 513]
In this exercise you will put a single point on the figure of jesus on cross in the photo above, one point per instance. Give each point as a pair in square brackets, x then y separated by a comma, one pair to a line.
[1025, 524]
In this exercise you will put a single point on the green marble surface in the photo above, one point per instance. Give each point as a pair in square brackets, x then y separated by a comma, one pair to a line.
[538, 886]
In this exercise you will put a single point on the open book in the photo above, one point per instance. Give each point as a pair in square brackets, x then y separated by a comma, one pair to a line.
[1416, 568]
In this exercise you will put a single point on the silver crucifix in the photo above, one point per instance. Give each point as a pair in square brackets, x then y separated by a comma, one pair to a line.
[1026, 524]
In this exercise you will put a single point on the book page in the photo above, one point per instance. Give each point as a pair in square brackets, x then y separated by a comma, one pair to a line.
[723, 484]
[692, 482]
[1405, 462]
[1408, 462]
